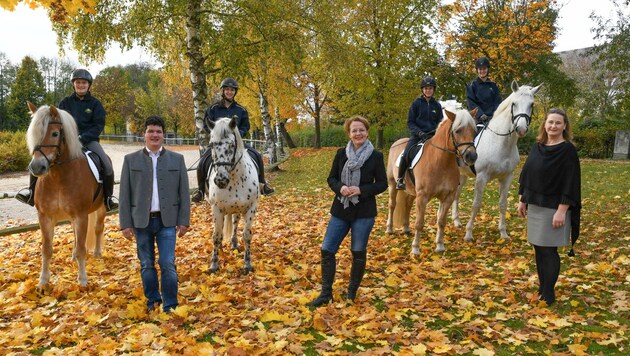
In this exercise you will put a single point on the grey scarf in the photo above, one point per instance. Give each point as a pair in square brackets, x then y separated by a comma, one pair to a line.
[351, 173]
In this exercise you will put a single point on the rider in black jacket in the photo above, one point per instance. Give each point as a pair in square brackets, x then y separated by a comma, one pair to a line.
[228, 107]
[89, 114]
[483, 93]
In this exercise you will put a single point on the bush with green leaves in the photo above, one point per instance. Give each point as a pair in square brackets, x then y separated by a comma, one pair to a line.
[13, 152]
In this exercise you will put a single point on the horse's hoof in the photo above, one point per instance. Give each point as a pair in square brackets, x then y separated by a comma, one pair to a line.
[415, 251]
[213, 269]
[440, 249]
[389, 231]
[247, 270]
[457, 224]
[407, 233]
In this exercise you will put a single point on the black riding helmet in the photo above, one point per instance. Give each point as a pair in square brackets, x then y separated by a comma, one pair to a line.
[428, 82]
[230, 83]
[81, 74]
[482, 62]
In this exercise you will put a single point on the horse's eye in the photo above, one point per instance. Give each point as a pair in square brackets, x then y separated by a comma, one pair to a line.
[55, 134]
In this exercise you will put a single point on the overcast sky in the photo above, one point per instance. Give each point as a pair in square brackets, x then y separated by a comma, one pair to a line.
[29, 32]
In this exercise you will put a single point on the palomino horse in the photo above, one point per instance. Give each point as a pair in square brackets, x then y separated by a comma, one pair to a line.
[498, 154]
[436, 175]
[66, 188]
[233, 189]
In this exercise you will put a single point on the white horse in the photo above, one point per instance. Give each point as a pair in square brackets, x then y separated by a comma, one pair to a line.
[498, 154]
[232, 189]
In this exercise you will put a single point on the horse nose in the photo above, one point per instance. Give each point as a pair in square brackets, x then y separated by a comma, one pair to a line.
[37, 168]
[221, 181]
[521, 131]
[471, 157]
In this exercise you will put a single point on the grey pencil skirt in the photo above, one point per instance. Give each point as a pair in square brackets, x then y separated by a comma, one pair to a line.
[540, 231]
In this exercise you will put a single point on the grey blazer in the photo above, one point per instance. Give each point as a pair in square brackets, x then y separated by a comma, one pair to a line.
[136, 187]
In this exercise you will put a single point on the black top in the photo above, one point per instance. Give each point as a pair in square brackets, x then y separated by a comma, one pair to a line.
[424, 115]
[89, 114]
[483, 95]
[373, 182]
[550, 177]
[218, 111]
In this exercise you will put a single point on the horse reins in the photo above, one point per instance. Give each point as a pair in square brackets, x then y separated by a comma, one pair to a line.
[455, 144]
[38, 148]
[232, 163]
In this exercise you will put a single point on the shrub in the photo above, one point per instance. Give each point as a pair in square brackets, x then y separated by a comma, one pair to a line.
[14, 155]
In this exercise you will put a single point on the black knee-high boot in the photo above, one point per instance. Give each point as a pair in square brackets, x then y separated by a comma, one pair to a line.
[202, 171]
[256, 156]
[27, 195]
[359, 259]
[329, 265]
[539, 270]
[108, 193]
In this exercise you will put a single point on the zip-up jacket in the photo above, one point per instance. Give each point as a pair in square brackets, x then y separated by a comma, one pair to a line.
[88, 113]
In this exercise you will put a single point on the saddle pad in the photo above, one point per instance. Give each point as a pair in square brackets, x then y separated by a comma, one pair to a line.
[480, 130]
[415, 159]
[93, 167]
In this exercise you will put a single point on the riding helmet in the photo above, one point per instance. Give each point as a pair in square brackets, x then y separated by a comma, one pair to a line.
[428, 82]
[81, 74]
[229, 82]
[482, 62]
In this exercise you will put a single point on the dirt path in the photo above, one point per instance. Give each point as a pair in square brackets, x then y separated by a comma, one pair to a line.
[14, 213]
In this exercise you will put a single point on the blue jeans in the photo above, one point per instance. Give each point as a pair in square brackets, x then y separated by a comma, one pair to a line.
[145, 241]
[338, 229]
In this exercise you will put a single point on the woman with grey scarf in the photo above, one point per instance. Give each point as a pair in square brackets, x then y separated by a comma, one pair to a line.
[357, 176]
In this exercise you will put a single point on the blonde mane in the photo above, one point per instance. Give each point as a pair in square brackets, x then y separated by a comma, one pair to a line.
[222, 130]
[39, 126]
[507, 103]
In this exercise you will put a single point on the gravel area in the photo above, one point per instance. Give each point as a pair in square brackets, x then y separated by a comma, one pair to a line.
[14, 213]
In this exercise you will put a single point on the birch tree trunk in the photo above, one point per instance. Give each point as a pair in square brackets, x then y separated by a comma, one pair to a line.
[197, 70]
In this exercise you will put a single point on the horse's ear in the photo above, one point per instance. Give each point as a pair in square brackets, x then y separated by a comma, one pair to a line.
[233, 122]
[450, 115]
[473, 112]
[31, 107]
[53, 111]
[514, 85]
[536, 89]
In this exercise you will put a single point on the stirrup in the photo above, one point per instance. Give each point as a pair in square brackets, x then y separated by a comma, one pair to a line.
[400, 184]
[26, 197]
[197, 196]
[110, 204]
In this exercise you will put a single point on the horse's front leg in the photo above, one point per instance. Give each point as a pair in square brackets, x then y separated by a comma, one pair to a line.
[504, 188]
[99, 226]
[441, 221]
[47, 228]
[235, 220]
[392, 207]
[247, 239]
[455, 208]
[480, 185]
[217, 236]
[80, 225]
[421, 206]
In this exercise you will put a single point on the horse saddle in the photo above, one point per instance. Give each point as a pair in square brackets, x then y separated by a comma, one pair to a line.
[95, 163]
[413, 156]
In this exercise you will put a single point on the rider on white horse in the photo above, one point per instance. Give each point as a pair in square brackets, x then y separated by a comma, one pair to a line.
[228, 107]
[483, 93]
[425, 114]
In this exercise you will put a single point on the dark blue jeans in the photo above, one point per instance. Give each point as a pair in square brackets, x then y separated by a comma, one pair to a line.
[339, 228]
[146, 240]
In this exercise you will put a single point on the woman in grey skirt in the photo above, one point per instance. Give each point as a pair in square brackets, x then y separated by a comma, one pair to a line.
[550, 198]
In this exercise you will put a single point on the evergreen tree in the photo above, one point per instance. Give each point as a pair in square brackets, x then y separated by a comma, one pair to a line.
[28, 86]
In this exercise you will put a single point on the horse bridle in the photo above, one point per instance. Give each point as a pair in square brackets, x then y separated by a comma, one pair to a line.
[231, 163]
[456, 145]
[528, 118]
[38, 148]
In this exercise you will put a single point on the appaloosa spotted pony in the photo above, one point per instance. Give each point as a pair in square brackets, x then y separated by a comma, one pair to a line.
[232, 189]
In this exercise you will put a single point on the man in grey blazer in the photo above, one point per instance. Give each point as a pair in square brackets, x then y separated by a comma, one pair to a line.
[155, 207]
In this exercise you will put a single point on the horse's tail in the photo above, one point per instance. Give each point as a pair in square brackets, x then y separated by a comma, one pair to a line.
[404, 203]
[96, 225]
[227, 225]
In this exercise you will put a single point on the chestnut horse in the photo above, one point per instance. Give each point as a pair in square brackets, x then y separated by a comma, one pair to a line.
[436, 175]
[66, 188]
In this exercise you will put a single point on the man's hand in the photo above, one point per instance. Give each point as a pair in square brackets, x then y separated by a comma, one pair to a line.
[128, 233]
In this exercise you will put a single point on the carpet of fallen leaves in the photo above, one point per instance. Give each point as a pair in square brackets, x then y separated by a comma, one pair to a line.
[477, 298]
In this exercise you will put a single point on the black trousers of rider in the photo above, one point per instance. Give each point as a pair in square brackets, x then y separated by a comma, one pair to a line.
[206, 159]
[548, 269]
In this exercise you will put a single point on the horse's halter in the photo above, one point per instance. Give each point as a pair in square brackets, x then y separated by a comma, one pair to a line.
[231, 163]
[515, 118]
[38, 148]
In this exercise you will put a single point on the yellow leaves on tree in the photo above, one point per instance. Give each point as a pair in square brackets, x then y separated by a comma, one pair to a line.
[61, 10]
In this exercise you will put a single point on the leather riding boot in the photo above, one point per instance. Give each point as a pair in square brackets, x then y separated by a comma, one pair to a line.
[202, 170]
[402, 169]
[359, 259]
[329, 265]
[27, 195]
[108, 193]
[256, 156]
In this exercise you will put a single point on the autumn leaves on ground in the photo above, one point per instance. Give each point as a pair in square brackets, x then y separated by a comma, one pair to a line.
[477, 298]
